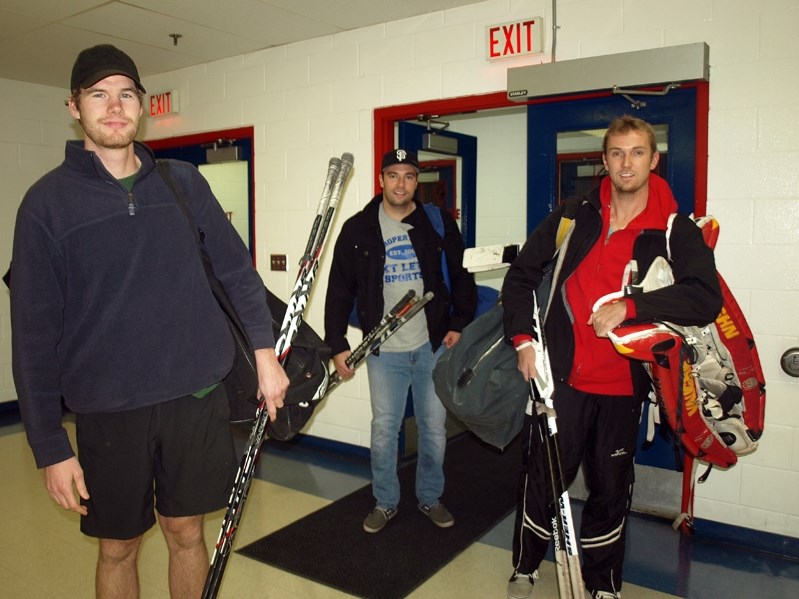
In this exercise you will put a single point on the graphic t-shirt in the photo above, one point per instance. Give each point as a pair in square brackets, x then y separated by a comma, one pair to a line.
[401, 273]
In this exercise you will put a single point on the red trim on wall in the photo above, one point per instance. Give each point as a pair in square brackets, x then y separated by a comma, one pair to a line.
[384, 118]
[200, 138]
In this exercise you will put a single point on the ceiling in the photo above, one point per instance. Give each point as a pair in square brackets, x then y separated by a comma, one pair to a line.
[39, 39]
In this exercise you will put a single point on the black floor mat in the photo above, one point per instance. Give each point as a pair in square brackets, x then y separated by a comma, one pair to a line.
[331, 547]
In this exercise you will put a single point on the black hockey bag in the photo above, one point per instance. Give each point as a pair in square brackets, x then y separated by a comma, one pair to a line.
[307, 371]
[478, 381]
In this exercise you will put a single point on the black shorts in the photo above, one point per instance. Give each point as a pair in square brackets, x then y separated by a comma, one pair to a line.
[175, 457]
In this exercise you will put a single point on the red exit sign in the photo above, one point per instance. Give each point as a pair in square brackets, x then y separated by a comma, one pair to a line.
[164, 103]
[515, 38]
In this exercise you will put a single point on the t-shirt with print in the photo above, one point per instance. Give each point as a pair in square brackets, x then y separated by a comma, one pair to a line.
[401, 273]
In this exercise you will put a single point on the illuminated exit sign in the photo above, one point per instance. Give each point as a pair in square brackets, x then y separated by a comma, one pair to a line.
[516, 38]
[164, 103]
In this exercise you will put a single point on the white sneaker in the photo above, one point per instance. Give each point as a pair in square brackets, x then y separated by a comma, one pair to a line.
[520, 586]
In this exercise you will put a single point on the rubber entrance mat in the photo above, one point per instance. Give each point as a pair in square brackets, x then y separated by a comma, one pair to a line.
[331, 547]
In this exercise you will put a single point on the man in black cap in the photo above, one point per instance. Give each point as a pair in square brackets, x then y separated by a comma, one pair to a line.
[388, 248]
[111, 310]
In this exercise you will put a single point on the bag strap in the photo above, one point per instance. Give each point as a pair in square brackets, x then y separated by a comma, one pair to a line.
[669, 225]
[565, 227]
[434, 216]
[166, 174]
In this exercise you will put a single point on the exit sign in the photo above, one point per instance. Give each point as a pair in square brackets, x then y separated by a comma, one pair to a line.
[515, 38]
[164, 103]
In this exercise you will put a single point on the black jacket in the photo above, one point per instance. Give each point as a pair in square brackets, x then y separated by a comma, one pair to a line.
[356, 276]
[694, 299]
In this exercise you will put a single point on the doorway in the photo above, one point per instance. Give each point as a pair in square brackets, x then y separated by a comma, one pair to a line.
[464, 157]
[225, 159]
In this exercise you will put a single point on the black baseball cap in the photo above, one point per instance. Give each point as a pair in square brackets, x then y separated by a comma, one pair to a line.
[399, 156]
[99, 62]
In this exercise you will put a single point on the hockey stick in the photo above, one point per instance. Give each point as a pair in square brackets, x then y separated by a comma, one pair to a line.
[338, 172]
[310, 260]
[567, 559]
[406, 308]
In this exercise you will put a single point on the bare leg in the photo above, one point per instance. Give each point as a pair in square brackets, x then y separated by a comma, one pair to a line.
[188, 557]
[117, 577]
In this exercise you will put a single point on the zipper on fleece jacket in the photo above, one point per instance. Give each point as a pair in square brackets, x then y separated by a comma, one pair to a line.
[131, 204]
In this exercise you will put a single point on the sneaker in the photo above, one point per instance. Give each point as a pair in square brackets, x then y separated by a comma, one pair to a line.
[438, 514]
[605, 595]
[520, 586]
[378, 518]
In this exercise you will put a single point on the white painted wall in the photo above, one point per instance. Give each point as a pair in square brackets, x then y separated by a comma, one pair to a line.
[312, 100]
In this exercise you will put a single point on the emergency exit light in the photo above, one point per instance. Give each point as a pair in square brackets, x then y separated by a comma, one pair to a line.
[515, 38]
[164, 103]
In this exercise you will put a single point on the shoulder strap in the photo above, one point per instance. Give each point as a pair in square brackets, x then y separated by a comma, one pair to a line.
[567, 218]
[434, 215]
[669, 225]
[166, 174]
[565, 228]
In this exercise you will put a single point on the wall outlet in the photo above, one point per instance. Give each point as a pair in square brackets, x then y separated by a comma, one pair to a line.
[278, 262]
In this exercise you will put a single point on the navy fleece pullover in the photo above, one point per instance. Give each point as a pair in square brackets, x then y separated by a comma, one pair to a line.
[110, 305]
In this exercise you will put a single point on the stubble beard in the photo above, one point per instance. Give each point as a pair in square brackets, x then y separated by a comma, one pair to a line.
[116, 140]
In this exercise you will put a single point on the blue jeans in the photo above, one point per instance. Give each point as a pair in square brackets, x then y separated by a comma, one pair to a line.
[390, 376]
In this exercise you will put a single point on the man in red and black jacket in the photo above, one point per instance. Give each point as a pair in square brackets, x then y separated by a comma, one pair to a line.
[598, 393]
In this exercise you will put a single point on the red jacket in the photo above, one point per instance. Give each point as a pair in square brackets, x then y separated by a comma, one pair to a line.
[597, 366]
[694, 299]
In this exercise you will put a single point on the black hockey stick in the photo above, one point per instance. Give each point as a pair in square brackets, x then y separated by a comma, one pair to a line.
[406, 308]
[567, 559]
[338, 171]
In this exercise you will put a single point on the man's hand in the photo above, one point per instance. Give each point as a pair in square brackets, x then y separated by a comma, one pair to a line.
[340, 362]
[525, 362]
[607, 317]
[63, 480]
[272, 380]
[451, 338]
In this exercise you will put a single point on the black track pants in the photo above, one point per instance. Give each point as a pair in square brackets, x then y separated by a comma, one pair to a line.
[601, 432]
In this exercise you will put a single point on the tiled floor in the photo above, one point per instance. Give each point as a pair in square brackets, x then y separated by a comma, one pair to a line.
[43, 553]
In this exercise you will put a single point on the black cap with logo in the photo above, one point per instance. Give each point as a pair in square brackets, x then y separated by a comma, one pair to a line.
[399, 156]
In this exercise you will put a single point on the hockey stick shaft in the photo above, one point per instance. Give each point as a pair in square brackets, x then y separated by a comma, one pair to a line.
[390, 324]
[333, 168]
[567, 561]
[569, 571]
[302, 287]
[408, 311]
[402, 306]
[334, 183]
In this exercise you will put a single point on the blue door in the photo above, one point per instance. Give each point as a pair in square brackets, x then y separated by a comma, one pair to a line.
[675, 111]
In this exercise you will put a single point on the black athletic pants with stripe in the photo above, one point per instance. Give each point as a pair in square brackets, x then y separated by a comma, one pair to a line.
[601, 432]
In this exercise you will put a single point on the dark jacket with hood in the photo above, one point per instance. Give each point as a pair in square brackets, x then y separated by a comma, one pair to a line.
[110, 305]
[694, 299]
[356, 276]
